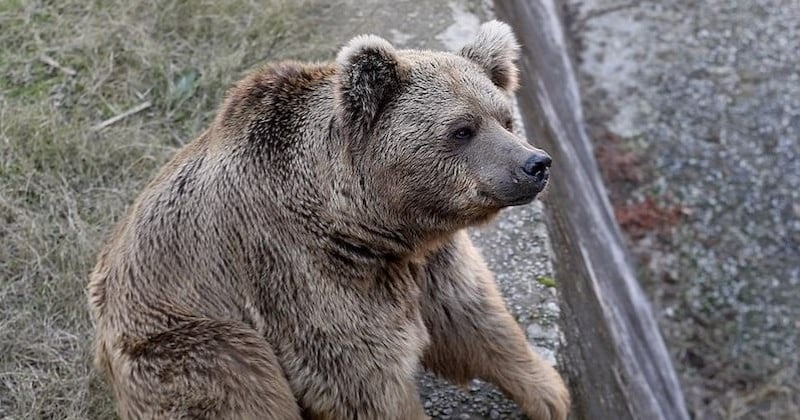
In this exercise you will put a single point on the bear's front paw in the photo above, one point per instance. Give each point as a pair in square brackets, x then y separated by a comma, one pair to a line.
[550, 399]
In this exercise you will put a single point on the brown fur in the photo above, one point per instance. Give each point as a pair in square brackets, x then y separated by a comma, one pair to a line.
[306, 254]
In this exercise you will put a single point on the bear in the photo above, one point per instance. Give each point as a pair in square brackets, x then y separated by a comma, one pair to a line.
[307, 254]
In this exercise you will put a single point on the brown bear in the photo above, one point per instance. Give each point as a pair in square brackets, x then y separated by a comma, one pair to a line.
[306, 255]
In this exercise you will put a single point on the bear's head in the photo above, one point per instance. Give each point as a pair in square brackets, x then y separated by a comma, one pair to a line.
[431, 132]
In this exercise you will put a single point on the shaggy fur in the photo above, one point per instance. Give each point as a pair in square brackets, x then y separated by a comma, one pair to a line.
[306, 254]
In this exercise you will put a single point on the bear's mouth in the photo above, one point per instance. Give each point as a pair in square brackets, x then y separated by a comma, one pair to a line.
[517, 192]
[522, 201]
[499, 201]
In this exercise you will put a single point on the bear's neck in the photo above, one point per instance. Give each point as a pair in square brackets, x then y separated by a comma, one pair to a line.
[360, 230]
[367, 243]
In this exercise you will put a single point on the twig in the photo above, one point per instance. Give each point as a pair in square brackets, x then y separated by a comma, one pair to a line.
[138, 108]
[55, 64]
[581, 22]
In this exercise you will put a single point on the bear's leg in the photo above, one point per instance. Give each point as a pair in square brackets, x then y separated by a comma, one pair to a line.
[384, 400]
[473, 335]
[204, 369]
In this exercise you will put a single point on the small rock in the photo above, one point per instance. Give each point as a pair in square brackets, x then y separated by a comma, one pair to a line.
[552, 308]
[548, 355]
[537, 332]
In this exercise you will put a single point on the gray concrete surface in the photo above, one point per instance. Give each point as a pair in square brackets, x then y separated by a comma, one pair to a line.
[614, 356]
[516, 245]
[706, 95]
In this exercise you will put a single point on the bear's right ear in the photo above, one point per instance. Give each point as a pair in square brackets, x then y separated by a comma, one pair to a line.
[368, 79]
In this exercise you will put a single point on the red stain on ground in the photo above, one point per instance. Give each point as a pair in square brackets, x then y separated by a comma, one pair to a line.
[623, 172]
[638, 219]
[617, 164]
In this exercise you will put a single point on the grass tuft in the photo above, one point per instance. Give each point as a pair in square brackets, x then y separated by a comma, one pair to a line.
[64, 67]
[546, 281]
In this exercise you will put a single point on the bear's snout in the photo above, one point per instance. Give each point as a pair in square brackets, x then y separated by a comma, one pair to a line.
[537, 167]
[528, 180]
[512, 172]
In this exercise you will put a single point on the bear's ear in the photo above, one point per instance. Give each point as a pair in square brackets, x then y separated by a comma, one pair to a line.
[368, 79]
[495, 49]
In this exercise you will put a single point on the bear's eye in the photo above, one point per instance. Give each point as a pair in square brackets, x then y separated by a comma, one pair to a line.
[509, 124]
[463, 133]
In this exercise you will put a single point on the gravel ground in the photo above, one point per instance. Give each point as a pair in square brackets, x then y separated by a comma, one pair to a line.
[695, 112]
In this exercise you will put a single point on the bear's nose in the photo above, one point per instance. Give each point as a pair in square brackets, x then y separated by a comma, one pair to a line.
[536, 165]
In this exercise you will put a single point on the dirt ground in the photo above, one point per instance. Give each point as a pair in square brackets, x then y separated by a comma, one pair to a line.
[694, 108]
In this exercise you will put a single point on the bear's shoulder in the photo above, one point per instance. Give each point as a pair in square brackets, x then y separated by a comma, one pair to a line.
[279, 89]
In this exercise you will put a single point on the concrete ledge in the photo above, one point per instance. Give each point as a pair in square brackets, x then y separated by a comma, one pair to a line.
[618, 365]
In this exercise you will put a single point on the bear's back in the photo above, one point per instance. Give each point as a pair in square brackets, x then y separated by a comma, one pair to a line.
[184, 245]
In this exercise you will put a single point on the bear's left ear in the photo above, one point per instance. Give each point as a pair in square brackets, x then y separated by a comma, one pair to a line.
[369, 78]
[495, 49]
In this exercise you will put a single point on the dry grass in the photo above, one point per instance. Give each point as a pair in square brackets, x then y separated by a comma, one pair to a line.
[775, 399]
[65, 66]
